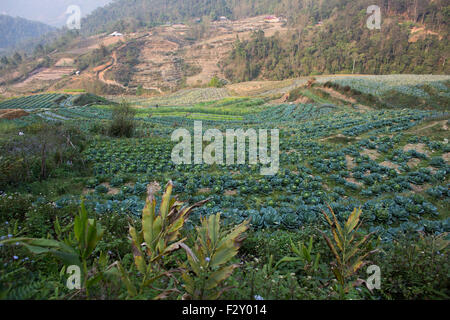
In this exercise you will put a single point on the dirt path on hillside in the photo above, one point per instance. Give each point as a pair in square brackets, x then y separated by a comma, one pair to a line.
[433, 124]
[100, 71]
[337, 95]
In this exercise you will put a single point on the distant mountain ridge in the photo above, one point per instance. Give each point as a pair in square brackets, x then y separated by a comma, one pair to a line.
[51, 12]
[15, 30]
[168, 44]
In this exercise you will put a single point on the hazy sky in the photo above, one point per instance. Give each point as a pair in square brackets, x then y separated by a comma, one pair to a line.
[52, 12]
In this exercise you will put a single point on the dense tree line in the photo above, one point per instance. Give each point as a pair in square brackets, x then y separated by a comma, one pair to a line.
[132, 14]
[343, 44]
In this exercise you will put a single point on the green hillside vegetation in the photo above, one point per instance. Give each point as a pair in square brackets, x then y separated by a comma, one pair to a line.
[15, 31]
[345, 45]
[327, 37]
[335, 157]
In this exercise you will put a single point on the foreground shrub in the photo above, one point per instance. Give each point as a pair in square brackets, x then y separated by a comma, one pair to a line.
[41, 152]
[73, 251]
[123, 123]
[416, 269]
[213, 250]
[158, 238]
[350, 248]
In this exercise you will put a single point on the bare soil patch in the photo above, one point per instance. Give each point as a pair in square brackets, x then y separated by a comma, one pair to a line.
[432, 170]
[354, 181]
[446, 157]
[338, 95]
[350, 163]
[304, 100]
[45, 75]
[65, 62]
[87, 191]
[419, 147]
[11, 114]
[230, 192]
[112, 191]
[418, 33]
[372, 154]
[433, 124]
[339, 138]
[419, 188]
[391, 165]
[414, 162]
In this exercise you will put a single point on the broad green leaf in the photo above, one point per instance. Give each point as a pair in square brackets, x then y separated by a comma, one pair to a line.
[310, 247]
[126, 280]
[177, 225]
[57, 226]
[165, 202]
[338, 240]
[353, 220]
[235, 233]
[188, 283]
[287, 259]
[140, 264]
[148, 218]
[295, 250]
[332, 248]
[338, 275]
[223, 254]
[220, 275]
[214, 228]
[316, 262]
[93, 237]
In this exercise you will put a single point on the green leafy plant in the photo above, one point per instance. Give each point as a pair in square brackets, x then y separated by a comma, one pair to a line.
[349, 248]
[416, 269]
[303, 254]
[158, 238]
[208, 260]
[123, 123]
[70, 251]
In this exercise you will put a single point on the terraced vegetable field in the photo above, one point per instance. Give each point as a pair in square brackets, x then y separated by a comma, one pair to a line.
[330, 154]
[41, 101]
[181, 98]
[407, 84]
[392, 163]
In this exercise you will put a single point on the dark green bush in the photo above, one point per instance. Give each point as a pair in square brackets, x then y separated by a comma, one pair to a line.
[123, 123]
[14, 207]
[415, 269]
[37, 154]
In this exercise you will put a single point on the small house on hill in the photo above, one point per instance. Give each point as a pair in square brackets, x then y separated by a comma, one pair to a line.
[116, 34]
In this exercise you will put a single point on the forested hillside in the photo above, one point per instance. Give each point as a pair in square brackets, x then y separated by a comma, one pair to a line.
[329, 36]
[17, 30]
[135, 13]
[313, 37]
[128, 15]
[412, 39]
